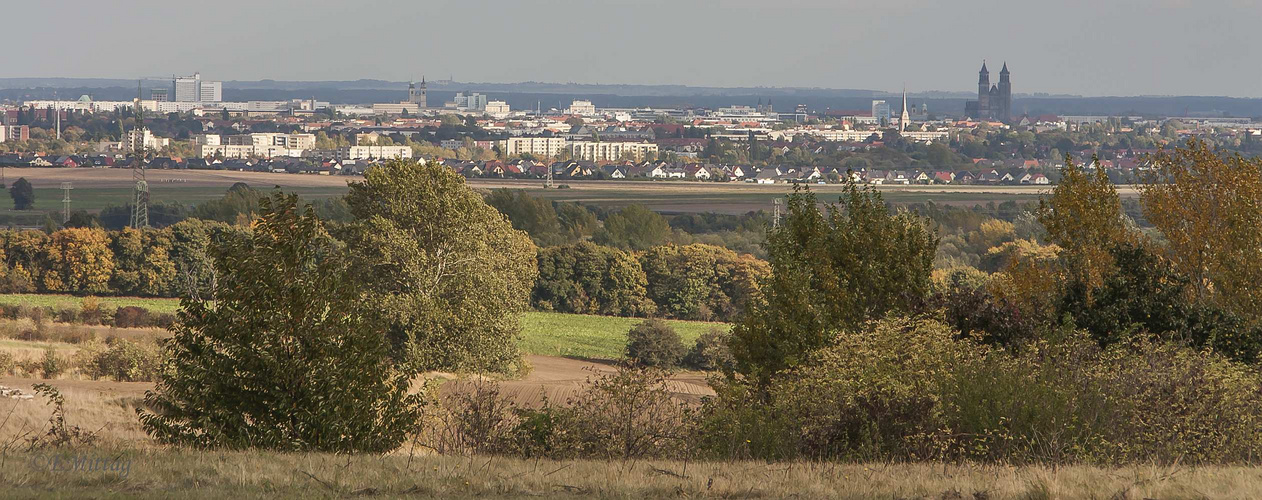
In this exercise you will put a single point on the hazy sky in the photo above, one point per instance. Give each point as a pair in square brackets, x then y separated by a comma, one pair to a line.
[1088, 47]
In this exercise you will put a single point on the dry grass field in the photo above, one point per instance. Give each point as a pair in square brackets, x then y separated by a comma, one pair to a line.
[124, 463]
[163, 473]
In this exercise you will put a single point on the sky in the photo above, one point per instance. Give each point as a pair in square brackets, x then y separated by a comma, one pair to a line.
[1084, 47]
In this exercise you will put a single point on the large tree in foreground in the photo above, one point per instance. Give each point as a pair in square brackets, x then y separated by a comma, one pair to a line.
[832, 270]
[286, 357]
[449, 272]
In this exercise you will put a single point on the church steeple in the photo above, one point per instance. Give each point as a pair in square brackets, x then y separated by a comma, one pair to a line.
[904, 118]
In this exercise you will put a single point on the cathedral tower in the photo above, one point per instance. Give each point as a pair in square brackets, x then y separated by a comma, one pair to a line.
[983, 92]
[1003, 108]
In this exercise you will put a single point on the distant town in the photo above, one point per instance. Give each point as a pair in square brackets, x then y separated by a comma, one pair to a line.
[188, 125]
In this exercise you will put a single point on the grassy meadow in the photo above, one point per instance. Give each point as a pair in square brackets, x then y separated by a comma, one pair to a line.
[228, 474]
[543, 333]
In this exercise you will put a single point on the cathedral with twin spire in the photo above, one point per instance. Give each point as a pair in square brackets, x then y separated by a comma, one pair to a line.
[994, 102]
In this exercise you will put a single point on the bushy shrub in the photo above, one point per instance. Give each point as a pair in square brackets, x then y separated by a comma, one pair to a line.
[476, 421]
[122, 360]
[654, 343]
[90, 311]
[70, 334]
[711, 352]
[130, 317]
[36, 333]
[628, 414]
[913, 390]
[7, 363]
[52, 365]
[67, 315]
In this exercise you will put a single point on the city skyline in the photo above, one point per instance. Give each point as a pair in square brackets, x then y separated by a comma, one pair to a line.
[1118, 50]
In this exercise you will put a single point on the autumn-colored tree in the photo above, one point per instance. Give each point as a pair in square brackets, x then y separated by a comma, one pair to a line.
[1208, 206]
[79, 261]
[25, 257]
[1084, 217]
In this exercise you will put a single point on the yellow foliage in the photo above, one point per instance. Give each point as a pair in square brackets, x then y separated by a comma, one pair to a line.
[79, 261]
[1209, 208]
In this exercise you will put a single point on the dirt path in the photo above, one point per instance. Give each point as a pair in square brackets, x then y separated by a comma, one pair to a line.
[559, 379]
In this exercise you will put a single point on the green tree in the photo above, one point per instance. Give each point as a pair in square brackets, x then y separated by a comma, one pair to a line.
[634, 228]
[142, 263]
[701, 282]
[831, 271]
[287, 356]
[533, 215]
[585, 278]
[23, 194]
[451, 274]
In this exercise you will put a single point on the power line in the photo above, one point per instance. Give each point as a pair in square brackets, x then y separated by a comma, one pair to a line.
[65, 202]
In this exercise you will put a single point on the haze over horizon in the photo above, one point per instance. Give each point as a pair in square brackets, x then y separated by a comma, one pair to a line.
[1120, 48]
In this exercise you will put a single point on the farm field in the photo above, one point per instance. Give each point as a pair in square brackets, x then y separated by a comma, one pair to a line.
[543, 333]
[94, 189]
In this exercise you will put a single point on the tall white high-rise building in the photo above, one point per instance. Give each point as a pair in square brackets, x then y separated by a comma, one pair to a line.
[210, 91]
[187, 87]
[881, 112]
[194, 89]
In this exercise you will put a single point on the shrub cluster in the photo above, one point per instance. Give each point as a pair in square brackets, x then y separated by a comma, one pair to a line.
[911, 390]
[623, 415]
[88, 314]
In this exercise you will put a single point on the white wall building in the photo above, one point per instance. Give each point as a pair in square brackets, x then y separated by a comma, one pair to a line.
[395, 108]
[541, 147]
[581, 108]
[471, 102]
[498, 109]
[143, 139]
[361, 153]
[610, 151]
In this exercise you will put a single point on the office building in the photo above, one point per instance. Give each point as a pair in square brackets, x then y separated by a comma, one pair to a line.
[881, 112]
[158, 95]
[194, 89]
[471, 102]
